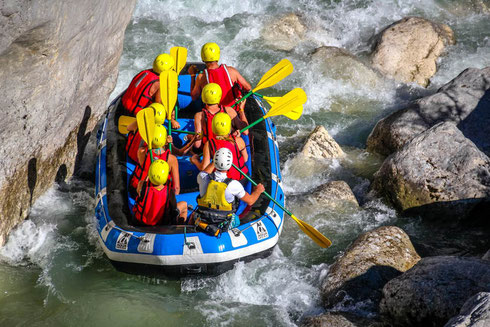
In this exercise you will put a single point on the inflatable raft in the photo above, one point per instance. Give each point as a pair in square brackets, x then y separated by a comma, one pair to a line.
[180, 250]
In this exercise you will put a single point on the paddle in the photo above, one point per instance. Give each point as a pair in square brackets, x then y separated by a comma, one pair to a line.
[123, 123]
[309, 230]
[146, 126]
[294, 114]
[180, 57]
[168, 92]
[289, 105]
[273, 76]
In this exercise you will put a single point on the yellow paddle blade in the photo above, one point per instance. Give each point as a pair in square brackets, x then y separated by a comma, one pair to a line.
[315, 235]
[124, 122]
[168, 90]
[271, 100]
[180, 56]
[288, 103]
[146, 124]
[274, 75]
[294, 114]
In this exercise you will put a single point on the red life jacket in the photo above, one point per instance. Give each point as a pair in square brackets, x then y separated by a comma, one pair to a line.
[237, 156]
[221, 76]
[151, 207]
[207, 124]
[141, 172]
[133, 144]
[137, 95]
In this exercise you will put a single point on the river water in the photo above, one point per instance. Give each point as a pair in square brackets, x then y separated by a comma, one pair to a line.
[52, 270]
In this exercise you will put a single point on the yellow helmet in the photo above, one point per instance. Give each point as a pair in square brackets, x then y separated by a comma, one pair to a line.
[210, 52]
[159, 137]
[160, 112]
[221, 124]
[211, 93]
[163, 62]
[158, 172]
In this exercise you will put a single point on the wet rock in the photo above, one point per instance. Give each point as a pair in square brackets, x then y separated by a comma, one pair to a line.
[284, 33]
[408, 49]
[486, 256]
[334, 194]
[434, 290]
[321, 145]
[439, 174]
[464, 101]
[335, 319]
[58, 65]
[361, 272]
[468, 7]
[474, 313]
[338, 63]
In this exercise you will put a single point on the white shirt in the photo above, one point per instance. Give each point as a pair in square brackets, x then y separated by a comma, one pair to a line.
[234, 189]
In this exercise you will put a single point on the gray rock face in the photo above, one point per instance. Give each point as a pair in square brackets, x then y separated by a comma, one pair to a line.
[321, 145]
[439, 173]
[464, 101]
[434, 290]
[58, 65]
[374, 258]
[408, 49]
[333, 319]
[474, 313]
[284, 33]
[334, 194]
[338, 63]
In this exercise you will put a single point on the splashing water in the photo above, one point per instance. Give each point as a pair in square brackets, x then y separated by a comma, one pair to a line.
[52, 270]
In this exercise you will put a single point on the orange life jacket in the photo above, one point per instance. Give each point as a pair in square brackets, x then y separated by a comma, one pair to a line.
[151, 207]
[237, 156]
[230, 90]
[137, 95]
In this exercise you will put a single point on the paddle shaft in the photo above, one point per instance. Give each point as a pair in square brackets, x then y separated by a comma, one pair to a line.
[170, 133]
[252, 124]
[149, 141]
[242, 98]
[265, 193]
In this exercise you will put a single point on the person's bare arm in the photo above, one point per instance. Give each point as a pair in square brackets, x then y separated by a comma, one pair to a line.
[196, 90]
[174, 170]
[198, 127]
[210, 168]
[133, 127]
[243, 148]
[250, 199]
[236, 76]
[141, 155]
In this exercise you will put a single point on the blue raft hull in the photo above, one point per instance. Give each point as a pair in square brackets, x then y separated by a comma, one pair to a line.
[182, 249]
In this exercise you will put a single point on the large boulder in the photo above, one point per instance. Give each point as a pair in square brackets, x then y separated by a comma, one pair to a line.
[439, 174]
[334, 194]
[464, 101]
[361, 272]
[408, 49]
[333, 319]
[338, 63]
[320, 144]
[474, 313]
[58, 66]
[434, 290]
[284, 33]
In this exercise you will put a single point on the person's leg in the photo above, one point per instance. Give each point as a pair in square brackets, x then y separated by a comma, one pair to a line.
[182, 207]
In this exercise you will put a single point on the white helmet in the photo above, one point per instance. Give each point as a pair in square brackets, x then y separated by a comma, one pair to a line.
[223, 158]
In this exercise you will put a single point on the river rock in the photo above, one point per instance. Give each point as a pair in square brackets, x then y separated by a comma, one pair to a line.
[360, 273]
[321, 145]
[464, 101]
[434, 290]
[338, 63]
[334, 194]
[474, 313]
[58, 65]
[486, 256]
[284, 33]
[439, 174]
[333, 319]
[408, 49]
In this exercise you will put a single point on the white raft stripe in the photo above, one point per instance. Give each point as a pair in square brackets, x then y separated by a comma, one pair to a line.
[275, 216]
[190, 258]
[106, 230]
[237, 240]
[102, 144]
[100, 195]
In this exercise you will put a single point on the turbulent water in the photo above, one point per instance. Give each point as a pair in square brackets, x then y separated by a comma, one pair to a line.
[52, 270]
